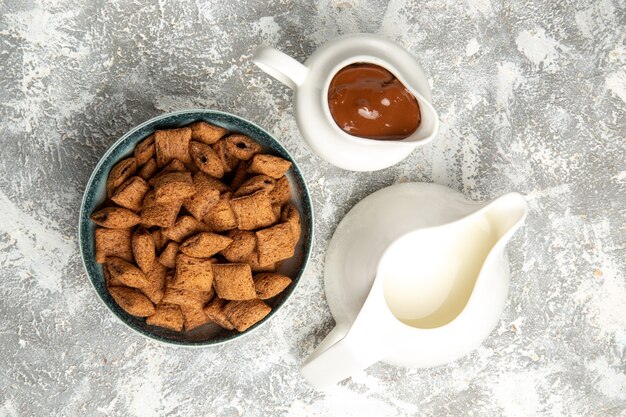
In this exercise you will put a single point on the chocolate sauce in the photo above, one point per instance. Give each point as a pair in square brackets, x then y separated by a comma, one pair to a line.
[368, 101]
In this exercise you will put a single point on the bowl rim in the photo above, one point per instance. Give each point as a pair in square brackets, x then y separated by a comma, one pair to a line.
[307, 250]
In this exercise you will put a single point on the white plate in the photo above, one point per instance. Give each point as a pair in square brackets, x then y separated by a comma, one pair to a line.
[363, 235]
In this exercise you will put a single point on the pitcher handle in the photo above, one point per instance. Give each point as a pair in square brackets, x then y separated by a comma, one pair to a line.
[328, 365]
[280, 66]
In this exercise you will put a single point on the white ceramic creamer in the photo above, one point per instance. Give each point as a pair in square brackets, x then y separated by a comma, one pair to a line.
[310, 82]
[438, 289]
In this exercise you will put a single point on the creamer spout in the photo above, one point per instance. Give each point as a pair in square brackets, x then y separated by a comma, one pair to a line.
[505, 215]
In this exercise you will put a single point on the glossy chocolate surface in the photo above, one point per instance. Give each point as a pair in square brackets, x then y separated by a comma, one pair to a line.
[368, 101]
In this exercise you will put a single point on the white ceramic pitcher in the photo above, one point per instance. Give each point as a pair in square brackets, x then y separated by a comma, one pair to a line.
[311, 81]
[439, 288]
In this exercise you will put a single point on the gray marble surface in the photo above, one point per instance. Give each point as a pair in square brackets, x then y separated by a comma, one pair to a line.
[531, 97]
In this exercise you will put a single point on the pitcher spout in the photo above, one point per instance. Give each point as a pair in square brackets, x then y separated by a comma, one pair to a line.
[505, 215]
[429, 125]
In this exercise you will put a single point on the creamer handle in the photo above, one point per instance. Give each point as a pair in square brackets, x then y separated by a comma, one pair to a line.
[280, 66]
[327, 366]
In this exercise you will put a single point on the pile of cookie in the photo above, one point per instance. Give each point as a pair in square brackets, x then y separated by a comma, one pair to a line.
[195, 226]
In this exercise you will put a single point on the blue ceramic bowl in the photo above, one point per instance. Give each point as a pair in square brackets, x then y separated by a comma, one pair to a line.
[95, 195]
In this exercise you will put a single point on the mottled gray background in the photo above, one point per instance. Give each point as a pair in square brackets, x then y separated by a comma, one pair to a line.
[531, 97]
